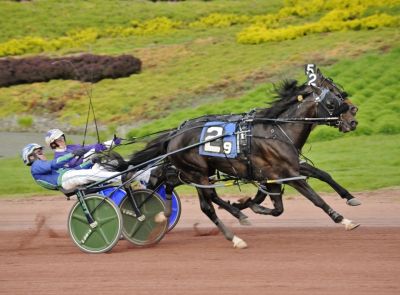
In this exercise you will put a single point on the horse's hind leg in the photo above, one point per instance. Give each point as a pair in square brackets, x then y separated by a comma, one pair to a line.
[311, 171]
[253, 204]
[208, 209]
[243, 219]
[303, 187]
[275, 194]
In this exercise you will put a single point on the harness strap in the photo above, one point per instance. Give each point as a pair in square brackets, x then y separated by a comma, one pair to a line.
[244, 136]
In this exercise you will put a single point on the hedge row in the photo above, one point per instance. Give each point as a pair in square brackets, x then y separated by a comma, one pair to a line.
[87, 68]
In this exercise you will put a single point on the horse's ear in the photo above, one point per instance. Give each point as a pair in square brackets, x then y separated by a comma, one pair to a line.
[315, 89]
[320, 77]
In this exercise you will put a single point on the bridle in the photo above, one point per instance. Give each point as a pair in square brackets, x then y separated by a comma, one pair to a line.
[330, 105]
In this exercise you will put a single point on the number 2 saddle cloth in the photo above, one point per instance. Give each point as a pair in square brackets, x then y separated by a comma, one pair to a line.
[231, 139]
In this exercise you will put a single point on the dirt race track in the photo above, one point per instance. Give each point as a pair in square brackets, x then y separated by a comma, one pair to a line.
[300, 252]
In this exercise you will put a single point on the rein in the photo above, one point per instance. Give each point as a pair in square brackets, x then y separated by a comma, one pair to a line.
[236, 182]
[298, 120]
[91, 108]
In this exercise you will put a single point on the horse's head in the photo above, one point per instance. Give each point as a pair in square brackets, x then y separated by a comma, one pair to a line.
[347, 120]
[327, 102]
[345, 109]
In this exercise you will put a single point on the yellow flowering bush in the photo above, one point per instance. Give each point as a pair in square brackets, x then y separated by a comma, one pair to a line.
[301, 8]
[219, 20]
[341, 15]
[158, 25]
[78, 38]
[21, 46]
[37, 44]
[258, 34]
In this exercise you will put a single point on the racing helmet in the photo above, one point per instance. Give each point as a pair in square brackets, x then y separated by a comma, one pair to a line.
[28, 151]
[52, 135]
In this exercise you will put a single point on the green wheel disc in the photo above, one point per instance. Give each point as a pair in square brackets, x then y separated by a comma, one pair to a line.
[105, 235]
[148, 231]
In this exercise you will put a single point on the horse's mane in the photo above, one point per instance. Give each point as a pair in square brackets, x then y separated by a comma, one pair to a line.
[286, 94]
[336, 87]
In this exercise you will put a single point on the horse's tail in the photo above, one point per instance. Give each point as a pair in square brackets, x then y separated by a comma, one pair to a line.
[153, 149]
[115, 162]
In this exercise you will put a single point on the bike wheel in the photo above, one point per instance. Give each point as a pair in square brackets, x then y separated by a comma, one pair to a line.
[105, 235]
[146, 232]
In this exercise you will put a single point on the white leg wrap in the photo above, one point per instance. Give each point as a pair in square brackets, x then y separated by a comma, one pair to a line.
[348, 224]
[238, 243]
[160, 217]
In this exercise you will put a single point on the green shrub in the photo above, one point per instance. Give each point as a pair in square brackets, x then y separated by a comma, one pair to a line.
[388, 124]
[363, 128]
[25, 122]
[323, 133]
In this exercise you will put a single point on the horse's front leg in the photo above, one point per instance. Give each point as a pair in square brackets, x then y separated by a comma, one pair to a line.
[208, 209]
[303, 187]
[311, 171]
[168, 199]
[171, 181]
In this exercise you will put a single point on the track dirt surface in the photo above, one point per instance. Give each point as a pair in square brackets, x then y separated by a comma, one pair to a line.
[300, 252]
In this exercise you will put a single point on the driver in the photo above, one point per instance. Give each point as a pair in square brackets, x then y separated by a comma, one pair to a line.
[55, 175]
[55, 139]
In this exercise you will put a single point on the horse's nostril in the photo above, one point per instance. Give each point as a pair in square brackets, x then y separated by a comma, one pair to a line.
[353, 124]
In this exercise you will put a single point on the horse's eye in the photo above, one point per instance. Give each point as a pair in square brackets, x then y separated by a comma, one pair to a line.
[353, 110]
[330, 104]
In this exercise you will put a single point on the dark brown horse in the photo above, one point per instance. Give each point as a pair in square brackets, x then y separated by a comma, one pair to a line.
[346, 123]
[272, 158]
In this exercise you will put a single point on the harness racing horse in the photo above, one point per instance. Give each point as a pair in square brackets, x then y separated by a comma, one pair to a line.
[271, 159]
[346, 123]
[168, 175]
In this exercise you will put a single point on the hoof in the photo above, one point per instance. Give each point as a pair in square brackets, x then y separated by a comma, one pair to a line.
[213, 232]
[160, 217]
[245, 221]
[353, 202]
[349, 225]
[243, 200]
[258, 209]
[238, 243]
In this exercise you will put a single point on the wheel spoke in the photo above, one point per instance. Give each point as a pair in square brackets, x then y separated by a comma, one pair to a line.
[80, 218]
[102, 221]
[135, 228]
[103, 235]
